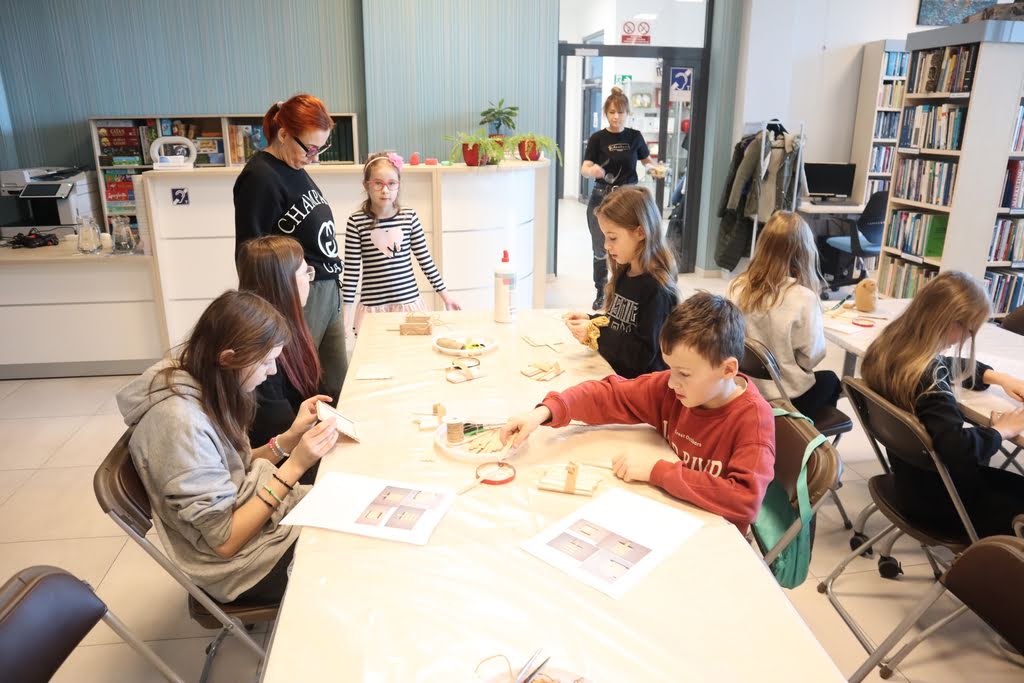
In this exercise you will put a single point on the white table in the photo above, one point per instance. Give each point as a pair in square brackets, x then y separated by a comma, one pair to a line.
[999, 348]
[359, 609]
[826, 208]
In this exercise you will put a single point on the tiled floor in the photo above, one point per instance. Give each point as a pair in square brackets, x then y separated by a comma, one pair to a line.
[53, 434]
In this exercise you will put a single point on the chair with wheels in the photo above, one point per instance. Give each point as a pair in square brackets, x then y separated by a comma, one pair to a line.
[759, 362]
[986, 578]
[121, 495]
[861, 239]
[45, 613]
[899, 431]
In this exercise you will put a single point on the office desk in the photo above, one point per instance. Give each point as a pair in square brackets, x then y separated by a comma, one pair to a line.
[810, 209]
[999, 348]
[360, 609]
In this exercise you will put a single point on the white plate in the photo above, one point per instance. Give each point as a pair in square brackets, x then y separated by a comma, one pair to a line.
[459, 452]
[490, 343]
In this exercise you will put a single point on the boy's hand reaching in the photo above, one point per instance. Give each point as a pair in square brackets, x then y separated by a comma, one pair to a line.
[520, 427]
[634, 466]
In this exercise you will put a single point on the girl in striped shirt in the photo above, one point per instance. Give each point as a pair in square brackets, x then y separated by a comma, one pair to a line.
[380, 240]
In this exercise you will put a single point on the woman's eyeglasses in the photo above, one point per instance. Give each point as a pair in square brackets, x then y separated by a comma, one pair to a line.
[380, 185]
[311, 150]
[310, 273]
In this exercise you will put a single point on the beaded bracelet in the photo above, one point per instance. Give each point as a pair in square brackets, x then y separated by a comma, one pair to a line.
[269, 490]
[287, 485]
[278, 451]
[264, 501]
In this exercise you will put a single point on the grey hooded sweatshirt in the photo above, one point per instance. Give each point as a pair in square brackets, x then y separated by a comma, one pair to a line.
[195, 479]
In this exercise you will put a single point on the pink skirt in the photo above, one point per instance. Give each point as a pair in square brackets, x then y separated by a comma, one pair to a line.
[412, 307]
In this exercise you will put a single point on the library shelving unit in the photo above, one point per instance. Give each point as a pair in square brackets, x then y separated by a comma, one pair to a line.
[121, 149]
[956, 175]
[883, 80]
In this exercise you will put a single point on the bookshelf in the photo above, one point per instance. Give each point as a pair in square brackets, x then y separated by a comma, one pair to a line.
[121, 149]
[879, 104]
[958, 171]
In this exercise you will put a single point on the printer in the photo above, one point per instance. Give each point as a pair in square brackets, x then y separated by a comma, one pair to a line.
[54, 195]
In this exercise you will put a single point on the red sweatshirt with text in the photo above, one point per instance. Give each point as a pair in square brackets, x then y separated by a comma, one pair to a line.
[726, 456]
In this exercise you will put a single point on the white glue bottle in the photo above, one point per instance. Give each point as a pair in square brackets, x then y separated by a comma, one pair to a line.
[504, 291]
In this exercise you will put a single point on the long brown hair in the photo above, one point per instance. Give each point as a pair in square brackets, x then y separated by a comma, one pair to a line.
[897, 360]
[298, 113]
[371, 161]
[247, 324]
[785, 249]
[633, 208]
[267, 266]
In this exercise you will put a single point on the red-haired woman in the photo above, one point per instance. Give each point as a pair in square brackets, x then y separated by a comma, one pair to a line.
[273, 267]
[275, 196]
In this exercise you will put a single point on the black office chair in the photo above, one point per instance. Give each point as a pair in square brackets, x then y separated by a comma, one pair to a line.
[861, 239]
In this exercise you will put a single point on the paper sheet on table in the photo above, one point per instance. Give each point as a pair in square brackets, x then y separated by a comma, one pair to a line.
[842, 325]
[614, 541]
[379, 508]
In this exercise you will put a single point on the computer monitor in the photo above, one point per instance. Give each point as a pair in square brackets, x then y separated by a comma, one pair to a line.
[829, 180]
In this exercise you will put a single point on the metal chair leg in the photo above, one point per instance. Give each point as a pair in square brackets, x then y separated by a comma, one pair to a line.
[211, 654]
[842, 510]
[119, 627]
[876, 655]
[889, 666]
[826, 586]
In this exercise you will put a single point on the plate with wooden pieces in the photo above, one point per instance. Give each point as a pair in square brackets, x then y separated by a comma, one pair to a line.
[464, 344]
[480, 441]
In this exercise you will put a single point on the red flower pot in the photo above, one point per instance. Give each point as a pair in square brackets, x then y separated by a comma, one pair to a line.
[472, 156]
[528, 150]
[500, 139]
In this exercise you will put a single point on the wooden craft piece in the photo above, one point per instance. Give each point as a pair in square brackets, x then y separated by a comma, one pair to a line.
[542, 372]
[571, 470]
[584, 481]
[424, 328]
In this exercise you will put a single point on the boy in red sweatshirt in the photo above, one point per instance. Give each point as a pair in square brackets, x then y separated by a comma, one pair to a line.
[717, 423]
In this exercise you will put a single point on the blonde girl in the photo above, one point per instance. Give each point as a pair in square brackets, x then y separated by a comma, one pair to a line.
[642, 289]
[904, 365]
[779, 297]
[380, 240]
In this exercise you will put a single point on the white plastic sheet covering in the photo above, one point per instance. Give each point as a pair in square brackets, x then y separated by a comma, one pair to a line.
[361, 609]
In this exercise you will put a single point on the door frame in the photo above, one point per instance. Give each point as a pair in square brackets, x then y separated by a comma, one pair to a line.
[695, 58]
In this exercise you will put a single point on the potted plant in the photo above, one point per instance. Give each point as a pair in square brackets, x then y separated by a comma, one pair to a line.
[476, 148]
[532, 144]
[499, 116]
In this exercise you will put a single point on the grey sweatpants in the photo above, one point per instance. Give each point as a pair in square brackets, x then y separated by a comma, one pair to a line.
[323, 315]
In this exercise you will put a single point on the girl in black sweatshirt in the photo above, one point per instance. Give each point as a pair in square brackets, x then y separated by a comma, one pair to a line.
[642, 289]
[904, 365]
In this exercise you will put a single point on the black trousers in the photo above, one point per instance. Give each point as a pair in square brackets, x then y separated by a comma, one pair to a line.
[271, 587]
[597, 196]
[825, 392]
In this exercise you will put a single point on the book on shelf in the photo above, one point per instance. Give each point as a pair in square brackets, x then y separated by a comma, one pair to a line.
[244, 141]
[881, 159]
[917, 234]
[1006, 289]
[933, 126]
[901, 279]
[925, 180]
[896, 63]
[117, 184]
[1007, 241]
[890, 95]
[1013, 185]
[887, 123]
[878, 185]
[1018, 131]
[943, 69]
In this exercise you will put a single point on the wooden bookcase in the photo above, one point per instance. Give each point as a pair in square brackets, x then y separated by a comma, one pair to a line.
[121, 148]
[969, 203]
[883, 78]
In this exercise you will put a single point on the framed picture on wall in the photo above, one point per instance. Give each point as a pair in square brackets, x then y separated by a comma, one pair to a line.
[947, 12]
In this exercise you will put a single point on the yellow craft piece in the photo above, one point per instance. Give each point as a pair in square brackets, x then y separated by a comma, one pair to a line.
[594, 331]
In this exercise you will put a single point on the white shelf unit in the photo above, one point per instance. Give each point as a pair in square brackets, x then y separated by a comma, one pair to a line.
[875, 79]
[993, 100]
[216, 131]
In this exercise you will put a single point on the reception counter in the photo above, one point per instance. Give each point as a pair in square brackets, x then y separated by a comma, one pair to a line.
[469, 216]
[67, 314]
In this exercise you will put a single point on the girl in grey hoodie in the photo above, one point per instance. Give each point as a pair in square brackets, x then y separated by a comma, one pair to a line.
[216, 503]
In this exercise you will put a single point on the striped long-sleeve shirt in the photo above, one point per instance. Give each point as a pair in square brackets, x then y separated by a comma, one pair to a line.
[382, 254]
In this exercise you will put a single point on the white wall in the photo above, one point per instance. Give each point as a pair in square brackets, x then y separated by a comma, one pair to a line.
[800, 61]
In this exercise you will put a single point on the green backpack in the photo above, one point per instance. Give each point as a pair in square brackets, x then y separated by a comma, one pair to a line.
[777, 515]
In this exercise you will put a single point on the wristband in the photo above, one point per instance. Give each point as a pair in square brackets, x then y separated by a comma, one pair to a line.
[286, 484]
[269, 490]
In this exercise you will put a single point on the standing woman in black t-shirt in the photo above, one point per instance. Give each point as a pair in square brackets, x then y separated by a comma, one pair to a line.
[274, 195]
[610, 159]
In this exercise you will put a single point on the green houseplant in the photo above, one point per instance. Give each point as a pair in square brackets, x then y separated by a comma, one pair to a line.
[476, 148]
[499, 115]
[532, 144]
